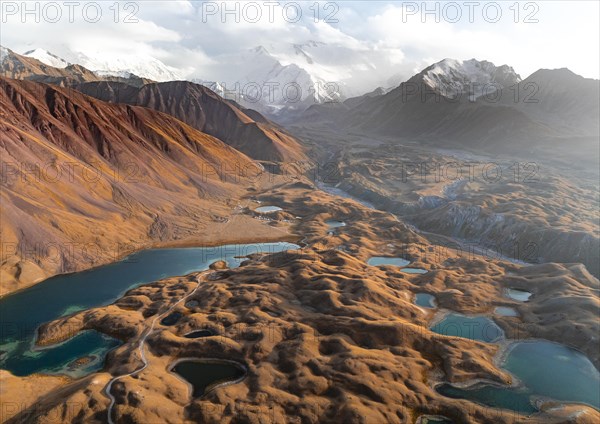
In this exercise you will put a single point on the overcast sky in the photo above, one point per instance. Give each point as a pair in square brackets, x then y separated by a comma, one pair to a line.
[391, 36]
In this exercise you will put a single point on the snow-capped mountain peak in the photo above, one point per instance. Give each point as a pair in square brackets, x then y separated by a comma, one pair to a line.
[125, 65]
[300, 52]
[4, 52]
[452, 78]
[109, 64]
[47, 58]
[270, 82]
[281, 80]
[213, 85]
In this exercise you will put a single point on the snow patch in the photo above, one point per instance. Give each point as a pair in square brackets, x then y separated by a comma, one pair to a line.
[47, 58]
[124, 66]
[452, 78]
[4, 52]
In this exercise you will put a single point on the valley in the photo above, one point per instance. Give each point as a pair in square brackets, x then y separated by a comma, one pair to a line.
[112, 162]
[492, 205]
[276, 303]
[169, 255]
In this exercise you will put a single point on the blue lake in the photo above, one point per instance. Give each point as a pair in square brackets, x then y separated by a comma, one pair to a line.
[544, 369]
[414, 270]
[21, 313]
[268, 209]
[469, 327]
[518, 400]
[385, 260]
[425, 300]
[518, 295]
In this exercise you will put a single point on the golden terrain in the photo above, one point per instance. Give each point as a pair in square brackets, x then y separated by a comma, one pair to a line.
[85, 183]
[325, 337]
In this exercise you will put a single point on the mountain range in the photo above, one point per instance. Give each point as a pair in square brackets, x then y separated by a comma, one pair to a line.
[106, 65]
[14, 65]
[475, 104]
[131, 160]
[206, 111]
[192, 103]
[468, 102]
[68, 114]
[95, 167]
[78, 170]
[275, 80]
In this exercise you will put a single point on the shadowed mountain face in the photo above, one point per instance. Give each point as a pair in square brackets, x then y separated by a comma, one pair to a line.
[560, 99]
[204, 110]
[78, 169]
[478, 105]
[392, 146]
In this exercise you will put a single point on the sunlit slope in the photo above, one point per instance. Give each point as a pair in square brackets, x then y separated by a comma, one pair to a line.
[76, 170]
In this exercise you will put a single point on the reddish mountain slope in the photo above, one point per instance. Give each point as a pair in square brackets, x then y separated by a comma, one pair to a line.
[206, 111]
[76, 170]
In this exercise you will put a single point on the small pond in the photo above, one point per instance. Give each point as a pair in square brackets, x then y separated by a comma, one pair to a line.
[385, 260]
[425, 300]
[171, 319]
[205, 375]
[268, 209]
[519, 295]
[414, 270]
[469, 327]
[333, 224]
[506, 311]
[191, 304]
[196, 334]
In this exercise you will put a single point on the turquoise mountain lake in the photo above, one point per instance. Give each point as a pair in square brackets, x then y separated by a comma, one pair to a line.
[268, 209]
[425, 300]
[474, 328]
[414, 270]
[21, 313]
[545, 369]
[512, 399]
[385, 260]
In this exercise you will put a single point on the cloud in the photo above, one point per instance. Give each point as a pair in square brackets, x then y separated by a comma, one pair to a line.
[562, 37]
[365, 42]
